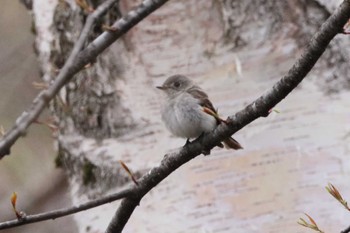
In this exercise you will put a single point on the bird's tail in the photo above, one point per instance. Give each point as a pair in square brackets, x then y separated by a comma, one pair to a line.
[231, 143]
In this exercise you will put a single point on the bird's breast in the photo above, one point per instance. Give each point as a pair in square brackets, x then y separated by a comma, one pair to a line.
[184, 117]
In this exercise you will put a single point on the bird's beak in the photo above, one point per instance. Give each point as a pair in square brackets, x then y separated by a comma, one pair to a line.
[161, 87]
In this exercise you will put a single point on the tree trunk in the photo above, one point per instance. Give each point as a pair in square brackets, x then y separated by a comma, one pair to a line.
[235, 50]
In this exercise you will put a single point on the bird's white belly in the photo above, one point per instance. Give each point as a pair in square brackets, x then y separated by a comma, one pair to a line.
[187, 120]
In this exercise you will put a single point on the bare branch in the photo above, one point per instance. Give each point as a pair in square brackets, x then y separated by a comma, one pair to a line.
[258, 108]
[66, 211]
[76, 62]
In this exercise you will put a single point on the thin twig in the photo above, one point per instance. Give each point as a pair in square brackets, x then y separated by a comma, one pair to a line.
[66, 211]
[76, 62]
[258, 108]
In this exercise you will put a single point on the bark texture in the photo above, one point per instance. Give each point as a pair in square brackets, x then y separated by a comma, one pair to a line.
[110, 111]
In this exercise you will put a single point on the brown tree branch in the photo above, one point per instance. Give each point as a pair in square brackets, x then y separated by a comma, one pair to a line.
[66, 211]
[258, 108]
[76, 62]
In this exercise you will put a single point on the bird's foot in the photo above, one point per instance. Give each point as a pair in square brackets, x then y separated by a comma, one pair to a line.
[204, 151]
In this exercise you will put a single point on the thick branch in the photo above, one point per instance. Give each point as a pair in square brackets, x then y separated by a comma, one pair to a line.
[256, 109]
[76, 62]
[66, 211]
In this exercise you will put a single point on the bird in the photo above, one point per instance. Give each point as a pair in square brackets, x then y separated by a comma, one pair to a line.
[187, 111]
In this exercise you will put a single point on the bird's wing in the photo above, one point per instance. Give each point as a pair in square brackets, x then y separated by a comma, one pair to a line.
[204, 101]
[200, 95]
[208, 108]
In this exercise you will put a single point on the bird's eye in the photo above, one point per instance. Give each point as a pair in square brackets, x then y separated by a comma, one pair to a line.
[177, 84]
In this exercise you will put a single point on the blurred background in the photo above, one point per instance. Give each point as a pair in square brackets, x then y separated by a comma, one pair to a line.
[30, 170]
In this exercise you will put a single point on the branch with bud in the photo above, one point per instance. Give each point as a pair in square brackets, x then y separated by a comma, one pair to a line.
[336, 194]
[312, 225]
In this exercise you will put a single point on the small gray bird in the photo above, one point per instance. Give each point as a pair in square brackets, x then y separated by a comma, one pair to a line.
[188, 112]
